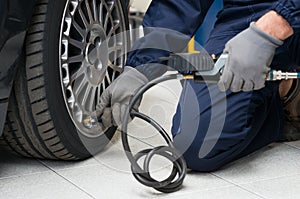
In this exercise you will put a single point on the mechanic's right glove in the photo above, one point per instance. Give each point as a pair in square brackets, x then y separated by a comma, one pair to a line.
[115, 99]
[250, 54]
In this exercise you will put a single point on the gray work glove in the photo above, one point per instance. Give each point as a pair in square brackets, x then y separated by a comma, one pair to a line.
[250, 54]
[115, 99]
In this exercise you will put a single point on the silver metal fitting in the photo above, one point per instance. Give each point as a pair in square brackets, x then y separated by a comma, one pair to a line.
[275, 75]
[90, 122]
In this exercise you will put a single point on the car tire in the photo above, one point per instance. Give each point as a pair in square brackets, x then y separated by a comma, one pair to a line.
[45, 115]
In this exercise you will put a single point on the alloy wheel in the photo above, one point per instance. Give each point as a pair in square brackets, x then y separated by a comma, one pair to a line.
[92, 54]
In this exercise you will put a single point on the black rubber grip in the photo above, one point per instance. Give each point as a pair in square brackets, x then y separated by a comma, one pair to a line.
[208, 79]
[191, 62]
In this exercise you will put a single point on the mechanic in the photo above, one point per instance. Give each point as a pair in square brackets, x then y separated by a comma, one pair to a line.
[256, 34]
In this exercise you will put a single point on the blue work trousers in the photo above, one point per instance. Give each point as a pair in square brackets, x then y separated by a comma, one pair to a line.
[212, 128]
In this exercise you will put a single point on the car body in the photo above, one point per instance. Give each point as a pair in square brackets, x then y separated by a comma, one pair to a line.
[15, 16]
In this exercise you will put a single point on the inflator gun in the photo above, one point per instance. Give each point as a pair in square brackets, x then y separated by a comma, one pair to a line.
[199, 67]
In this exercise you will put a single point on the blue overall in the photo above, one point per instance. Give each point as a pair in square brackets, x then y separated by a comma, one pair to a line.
[212, 128]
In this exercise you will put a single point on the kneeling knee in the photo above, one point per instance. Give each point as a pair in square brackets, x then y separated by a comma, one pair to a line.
[201, 164]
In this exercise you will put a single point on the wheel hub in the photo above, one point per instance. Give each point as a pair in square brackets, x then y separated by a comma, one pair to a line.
[96, 54]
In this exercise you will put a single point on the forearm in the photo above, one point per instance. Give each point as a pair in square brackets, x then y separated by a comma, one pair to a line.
[290, 11]
[275, 25]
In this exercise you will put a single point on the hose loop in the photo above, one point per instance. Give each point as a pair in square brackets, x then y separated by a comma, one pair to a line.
[142, 174]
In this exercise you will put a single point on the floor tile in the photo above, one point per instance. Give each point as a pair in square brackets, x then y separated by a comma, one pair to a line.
[224, 193]
[274, 161]
[37, 186]
[12, 165]
[284, 187]
[103, 182]
[113, 158]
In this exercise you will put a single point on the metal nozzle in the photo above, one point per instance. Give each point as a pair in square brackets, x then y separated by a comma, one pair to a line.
[89, 122]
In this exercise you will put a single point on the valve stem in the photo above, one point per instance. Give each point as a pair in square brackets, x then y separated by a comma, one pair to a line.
[89, 122]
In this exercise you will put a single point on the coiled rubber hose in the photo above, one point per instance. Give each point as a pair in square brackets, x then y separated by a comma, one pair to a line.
[174, 181]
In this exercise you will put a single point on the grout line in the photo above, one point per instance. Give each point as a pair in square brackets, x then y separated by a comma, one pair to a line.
[241, 187]
[68, 181]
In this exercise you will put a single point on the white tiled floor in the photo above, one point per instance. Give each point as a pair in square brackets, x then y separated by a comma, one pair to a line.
[273, 172]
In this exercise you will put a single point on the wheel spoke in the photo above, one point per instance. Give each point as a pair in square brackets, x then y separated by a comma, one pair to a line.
[108, 78]
[86, 94]
[78, 86]
[91, 103]
[103, 84]
[114, 49]
[113, 76]
[95, 10]
[114, 67]
[76, 43]
[83, 18]
[113, 29]
[99, 93]
[79, 29]
[76, 59]
[106, 21]
[77, 74]
[101, 12]
[110, 8]
[89, 11]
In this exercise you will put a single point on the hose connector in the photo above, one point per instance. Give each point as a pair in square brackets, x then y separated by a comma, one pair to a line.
[275, 75]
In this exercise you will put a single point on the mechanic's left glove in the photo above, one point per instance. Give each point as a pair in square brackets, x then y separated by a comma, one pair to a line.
[250, 54]
[115, 99]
